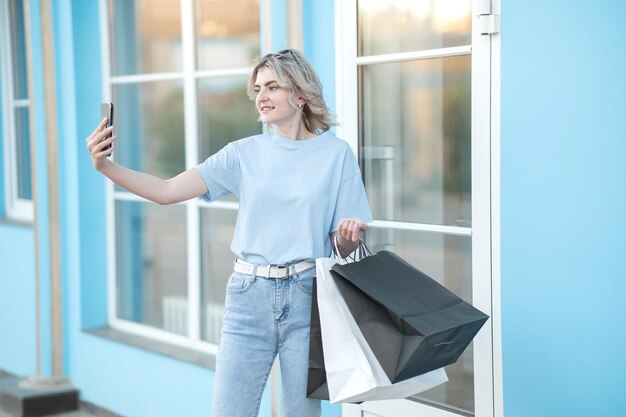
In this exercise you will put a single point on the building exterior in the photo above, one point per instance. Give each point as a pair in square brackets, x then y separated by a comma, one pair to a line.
[491, 143]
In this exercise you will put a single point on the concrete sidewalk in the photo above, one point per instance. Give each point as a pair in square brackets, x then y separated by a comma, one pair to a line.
[16, 396]
[78, 413]
[83, 411]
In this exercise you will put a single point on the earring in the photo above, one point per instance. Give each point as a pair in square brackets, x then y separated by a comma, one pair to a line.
[300, 105]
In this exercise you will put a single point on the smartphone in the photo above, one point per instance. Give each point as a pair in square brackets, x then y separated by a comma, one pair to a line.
[106, 110]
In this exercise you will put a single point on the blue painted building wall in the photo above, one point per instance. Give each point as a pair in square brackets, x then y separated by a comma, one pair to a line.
[563, 182]
[17, 300]
[18, 333]
[120, 377]
[563, 207]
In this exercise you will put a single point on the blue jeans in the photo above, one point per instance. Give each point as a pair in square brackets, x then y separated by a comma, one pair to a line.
[264, 318]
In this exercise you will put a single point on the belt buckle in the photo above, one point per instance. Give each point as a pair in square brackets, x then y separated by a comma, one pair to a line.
[282, 267]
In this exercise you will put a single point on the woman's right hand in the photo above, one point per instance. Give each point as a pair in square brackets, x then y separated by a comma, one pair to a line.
[96, 144]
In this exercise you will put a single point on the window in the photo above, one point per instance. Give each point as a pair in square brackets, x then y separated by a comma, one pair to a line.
[410, 75]
[15, 118]
[176, 72]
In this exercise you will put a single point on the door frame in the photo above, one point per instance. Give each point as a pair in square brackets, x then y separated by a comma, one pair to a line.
[485, 102]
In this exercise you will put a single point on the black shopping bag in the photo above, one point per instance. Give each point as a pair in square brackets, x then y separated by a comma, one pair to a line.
[316, 384]
[412, 323]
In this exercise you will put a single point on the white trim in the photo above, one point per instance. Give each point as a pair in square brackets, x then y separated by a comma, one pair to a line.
[187, 73]
[481, 213]
[104, 50]
[485, 221]
[6, 90]
[16, 208]
[191, 151]
[222, 73]
[20, 210]
[346, 72]
[421, 227]
[189, 77]
[21, 103]
[396, 408]
[351, 410]
[162, 335]
[126, 196]
[109, 187]
[496, 277]
[414, 55]
[146, 78]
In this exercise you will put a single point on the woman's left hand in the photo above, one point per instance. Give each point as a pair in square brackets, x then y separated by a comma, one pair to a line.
[351, 229]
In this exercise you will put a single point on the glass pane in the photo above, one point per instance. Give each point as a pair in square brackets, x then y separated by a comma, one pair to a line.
[151, 242]
[448, 260]
[149, 125]
[416, 132]
[227, 33]
[22, 154]
[18, 47]
[216, 234]
[145, 36]
[391, 26]
[225, 113]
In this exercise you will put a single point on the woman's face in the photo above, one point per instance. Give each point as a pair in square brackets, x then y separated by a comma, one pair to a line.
[272, 100]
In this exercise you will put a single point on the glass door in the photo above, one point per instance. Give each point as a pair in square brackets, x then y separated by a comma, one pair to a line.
[414, 104]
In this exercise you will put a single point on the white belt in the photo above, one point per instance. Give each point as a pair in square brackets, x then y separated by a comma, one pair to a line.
[271, 271]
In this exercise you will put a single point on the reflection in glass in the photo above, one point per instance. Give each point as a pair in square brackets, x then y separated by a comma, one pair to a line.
[152, 265]
[145, 36]
[18, 49]
[225, 113]
[391, 26]
[149, 125]
[416, 137]
[448, 260]
[216, 234]
[22, 138]
[227, 33]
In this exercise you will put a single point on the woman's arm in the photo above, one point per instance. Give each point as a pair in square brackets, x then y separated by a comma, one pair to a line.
[348, 233]
[184, 186]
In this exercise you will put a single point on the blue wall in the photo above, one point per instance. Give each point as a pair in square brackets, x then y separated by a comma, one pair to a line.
[318, 26]
[563, 208]
[563, 181]
[125, 379]
[17, 275]
[17, 300]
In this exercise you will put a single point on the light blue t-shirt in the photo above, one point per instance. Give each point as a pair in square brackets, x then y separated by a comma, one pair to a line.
[292, 194]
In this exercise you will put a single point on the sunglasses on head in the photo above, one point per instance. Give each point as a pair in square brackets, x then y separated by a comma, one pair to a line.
[288, 52]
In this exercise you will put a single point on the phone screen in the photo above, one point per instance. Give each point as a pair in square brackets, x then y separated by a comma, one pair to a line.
[106, 110]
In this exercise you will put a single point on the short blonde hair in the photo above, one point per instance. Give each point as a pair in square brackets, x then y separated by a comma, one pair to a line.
[295, 73]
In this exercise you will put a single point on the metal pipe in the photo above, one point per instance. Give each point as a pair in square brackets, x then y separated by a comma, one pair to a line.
[52, 159]
[33, 174]
[57, 380]
[267, 26]
[294, 25]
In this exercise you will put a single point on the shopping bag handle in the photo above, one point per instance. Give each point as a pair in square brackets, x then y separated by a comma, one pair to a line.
[359, 253]
[363, 249]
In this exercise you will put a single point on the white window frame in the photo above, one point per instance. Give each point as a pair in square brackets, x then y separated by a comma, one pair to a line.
[16, 208]
[189, 76]
[485, 231]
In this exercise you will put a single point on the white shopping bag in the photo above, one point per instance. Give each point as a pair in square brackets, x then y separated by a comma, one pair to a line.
[352, 370]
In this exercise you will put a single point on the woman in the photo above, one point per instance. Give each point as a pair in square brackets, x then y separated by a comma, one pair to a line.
[300, 191]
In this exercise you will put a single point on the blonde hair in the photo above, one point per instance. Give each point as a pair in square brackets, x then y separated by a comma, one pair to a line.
[295, 73]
